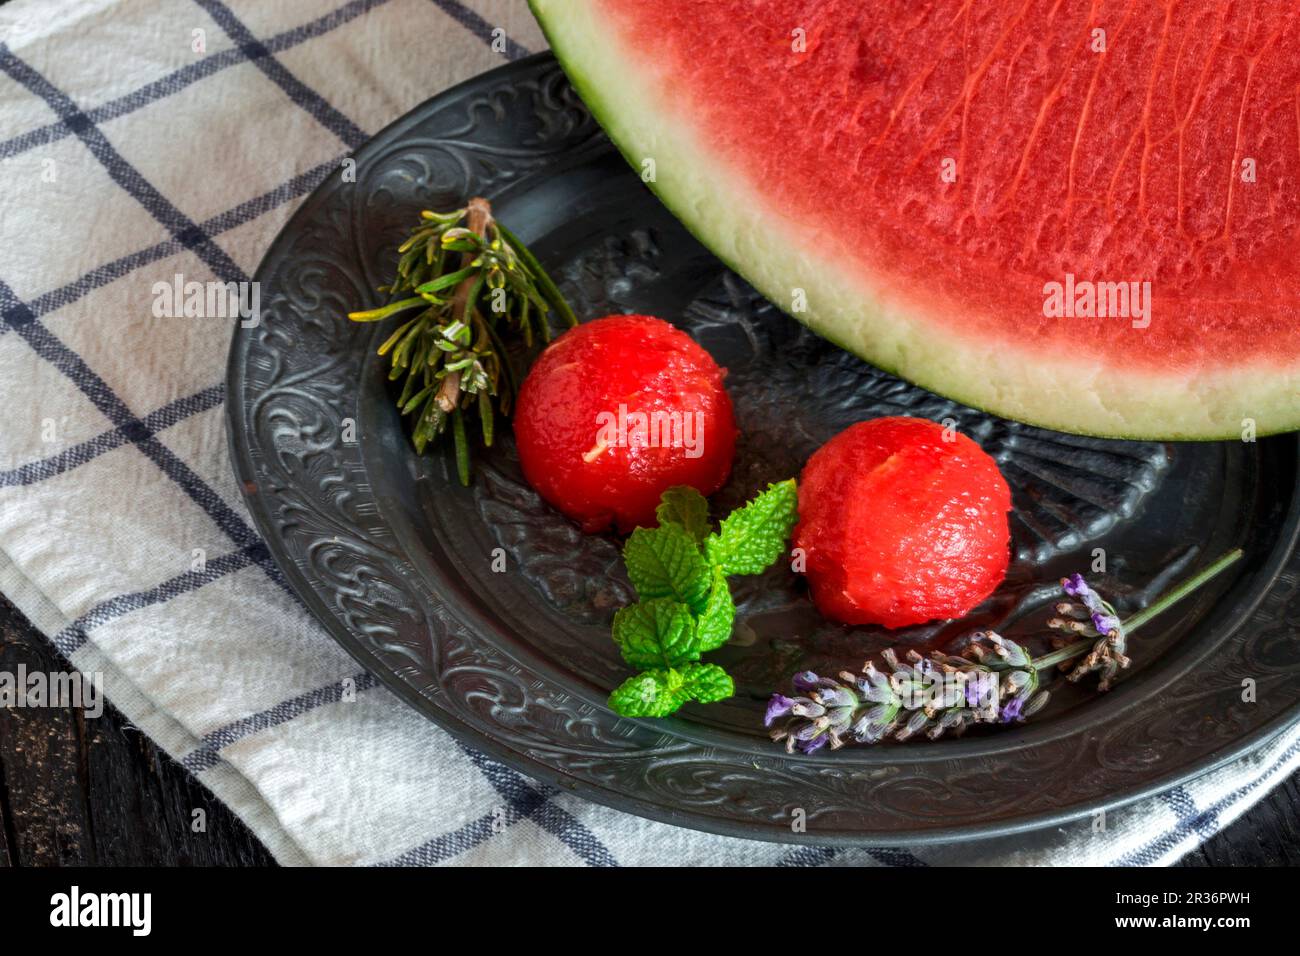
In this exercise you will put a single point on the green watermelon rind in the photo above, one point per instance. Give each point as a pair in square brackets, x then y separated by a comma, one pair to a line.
[579, 40]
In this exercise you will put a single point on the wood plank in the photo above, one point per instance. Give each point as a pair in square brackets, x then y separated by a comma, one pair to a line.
[97, 791]
[1268, 835]
[40, 748]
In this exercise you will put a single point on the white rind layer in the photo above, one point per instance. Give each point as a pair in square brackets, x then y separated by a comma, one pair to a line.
[759, 240]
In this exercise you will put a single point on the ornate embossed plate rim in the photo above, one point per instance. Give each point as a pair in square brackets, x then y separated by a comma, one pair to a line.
[422, 688]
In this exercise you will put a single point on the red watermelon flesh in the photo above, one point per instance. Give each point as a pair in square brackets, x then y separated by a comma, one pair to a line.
[620, 367]
[946, 161]
[902, 522]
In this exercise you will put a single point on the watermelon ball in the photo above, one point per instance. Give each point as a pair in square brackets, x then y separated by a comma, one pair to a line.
[618, 410]
[902, 522]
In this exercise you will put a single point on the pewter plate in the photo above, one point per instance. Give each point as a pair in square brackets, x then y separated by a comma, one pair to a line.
[396, 559]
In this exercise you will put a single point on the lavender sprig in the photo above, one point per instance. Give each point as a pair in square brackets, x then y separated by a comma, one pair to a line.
[1107, 654]
[996, 681]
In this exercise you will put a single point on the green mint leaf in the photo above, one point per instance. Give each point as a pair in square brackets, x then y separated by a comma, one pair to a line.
[656, 633]
[666, 563]
[654, 693]
[659, 692]
[754, 536]
[707, 683]
[682, 505]
[713, 626]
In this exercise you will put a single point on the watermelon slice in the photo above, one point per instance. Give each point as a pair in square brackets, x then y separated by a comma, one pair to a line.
[1082, 218]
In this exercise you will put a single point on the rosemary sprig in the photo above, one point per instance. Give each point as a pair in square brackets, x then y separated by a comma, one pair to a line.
[474, 283]
[997, 682]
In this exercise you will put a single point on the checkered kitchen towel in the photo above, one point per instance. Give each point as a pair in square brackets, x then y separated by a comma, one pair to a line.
[147, 138]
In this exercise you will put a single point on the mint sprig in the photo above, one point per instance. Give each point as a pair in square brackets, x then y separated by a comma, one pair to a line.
[680, 570]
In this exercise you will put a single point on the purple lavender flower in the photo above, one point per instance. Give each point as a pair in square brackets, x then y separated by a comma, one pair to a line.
[806, 681]
[1103, 619]
[778, 706]
[809, 707]
[873, 685]
[1075, 585]
[815, 744]
[981, 689]
[1011, 709]
[875, 724]
[810, 737]
[834, 697]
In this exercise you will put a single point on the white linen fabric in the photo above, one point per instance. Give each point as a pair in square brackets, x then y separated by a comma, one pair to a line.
[150, 138]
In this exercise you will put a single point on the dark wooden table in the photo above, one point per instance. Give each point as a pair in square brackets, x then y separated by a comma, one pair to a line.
[84, 792]
[76, 791]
